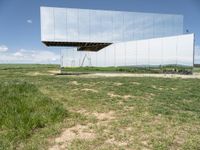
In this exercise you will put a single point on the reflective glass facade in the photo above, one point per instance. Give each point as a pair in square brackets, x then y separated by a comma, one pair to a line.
[100, 26]
[116, 38]
[175, 50]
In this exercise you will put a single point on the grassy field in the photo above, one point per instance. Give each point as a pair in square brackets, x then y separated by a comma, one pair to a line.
[40, 110]
[155, 69]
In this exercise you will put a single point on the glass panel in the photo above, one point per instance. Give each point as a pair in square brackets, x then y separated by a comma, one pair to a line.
[148, 26]
[138, 26]
[118, 22]
[67, 56]
[155, 52]
[93, 58]
[47, 24]
[86, 59]
[168, 25]
[169, 50]
[81, 59]
[128, 26]
[107, 26]
[76, 56]
[72, 25]
[84, 25]
[60, 24]
[95, 26]
[142, 53]
[158, 25]
[120, 54]
[110, 53]
[174, 29]
[100, 58]
[185, 50]
[131, 51]
[179, 25]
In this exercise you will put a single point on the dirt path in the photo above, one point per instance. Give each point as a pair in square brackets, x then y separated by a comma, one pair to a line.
[194, 76]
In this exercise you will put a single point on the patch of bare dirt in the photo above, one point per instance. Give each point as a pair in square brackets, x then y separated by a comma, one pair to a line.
[173, 89]
[35, 73]
[53, 72]
[157, 119]
[81, 111]
[115, 142]
[89, 84]
[112, 95]
[120, 103]
[127, 97]
[152, 94]
[74, 83]
[135, 83]
[77, 132]
[99, 116]
[89, 90]
[158, 88]
[118, 84]
[105, 116]
[129, 129]
[148, 96]
[128, 108]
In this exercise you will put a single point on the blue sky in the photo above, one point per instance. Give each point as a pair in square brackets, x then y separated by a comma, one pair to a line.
[20, 23]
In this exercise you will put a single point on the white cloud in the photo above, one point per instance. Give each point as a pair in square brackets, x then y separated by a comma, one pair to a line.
[30, 56]
[29, 21]
[18, 54]
[3, 48]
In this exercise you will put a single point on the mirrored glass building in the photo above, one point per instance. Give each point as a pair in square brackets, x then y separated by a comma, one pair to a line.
[113, 38]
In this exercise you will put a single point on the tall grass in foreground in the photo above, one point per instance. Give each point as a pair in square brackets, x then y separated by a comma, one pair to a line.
[24, 110]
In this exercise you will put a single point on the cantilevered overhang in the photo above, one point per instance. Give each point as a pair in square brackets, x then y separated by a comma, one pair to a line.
[81, 46]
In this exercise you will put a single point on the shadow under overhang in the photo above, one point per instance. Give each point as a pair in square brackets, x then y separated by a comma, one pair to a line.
[81, 46]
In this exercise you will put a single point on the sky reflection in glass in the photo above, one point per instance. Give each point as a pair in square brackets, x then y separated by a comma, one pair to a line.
[83, 25]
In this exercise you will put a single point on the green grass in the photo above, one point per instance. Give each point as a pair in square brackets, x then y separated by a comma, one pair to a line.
[159, 69]
[24, 110]
[197, 69]
[147, 112]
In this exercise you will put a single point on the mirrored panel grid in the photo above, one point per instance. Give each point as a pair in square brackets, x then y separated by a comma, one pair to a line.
[116, 38]
[176, 50]
[101, 26]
